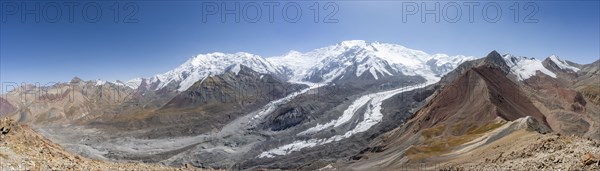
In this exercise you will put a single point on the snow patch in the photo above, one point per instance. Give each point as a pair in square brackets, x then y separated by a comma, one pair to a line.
[562, 64]
[134, 83]
[210, 64]
[524, 67]
[236, 69]
[100, 82]
[190, 80]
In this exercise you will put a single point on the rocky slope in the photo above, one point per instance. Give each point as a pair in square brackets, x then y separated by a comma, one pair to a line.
[24, 149]
[6, 108]
[207, 105]
[529, 150]
[477, 107]
[67, 102]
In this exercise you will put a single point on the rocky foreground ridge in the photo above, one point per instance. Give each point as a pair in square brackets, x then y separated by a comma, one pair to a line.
[21, 148]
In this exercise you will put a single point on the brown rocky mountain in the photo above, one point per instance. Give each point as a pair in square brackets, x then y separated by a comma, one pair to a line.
[6, 108]
[479, 107]
[67, 102]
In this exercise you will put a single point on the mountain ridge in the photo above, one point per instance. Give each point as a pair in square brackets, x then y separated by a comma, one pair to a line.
[212, 111]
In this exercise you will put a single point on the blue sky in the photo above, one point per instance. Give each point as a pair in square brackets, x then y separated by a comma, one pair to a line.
[166, 33]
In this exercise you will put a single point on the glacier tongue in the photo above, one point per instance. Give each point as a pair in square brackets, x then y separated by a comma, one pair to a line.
[271, 106]
[371, 117]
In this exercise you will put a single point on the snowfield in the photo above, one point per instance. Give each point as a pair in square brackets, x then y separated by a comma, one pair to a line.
[525, 68]
[562, 64]
[331, 62]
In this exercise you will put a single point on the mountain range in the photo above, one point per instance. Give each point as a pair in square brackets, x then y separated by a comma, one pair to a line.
[355, 105]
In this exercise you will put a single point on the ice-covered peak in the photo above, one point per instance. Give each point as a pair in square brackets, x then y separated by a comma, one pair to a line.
[100, 82]
[204, 65]
[398, 54]
[134, 83]
[318, 65]
[293, 53]
[524, 67]
[353, 43]
[119, 83]
[296, 62]
[376, 57]
[441, 64]
[236, 69]
[512, 60]
[562, 64]
[413, 62]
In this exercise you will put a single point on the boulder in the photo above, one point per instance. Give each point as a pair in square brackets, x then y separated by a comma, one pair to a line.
[5, 125]
[588, 159]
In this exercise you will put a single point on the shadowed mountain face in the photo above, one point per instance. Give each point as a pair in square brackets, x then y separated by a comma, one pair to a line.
[6, 108]
[209, 104]
[477, 98]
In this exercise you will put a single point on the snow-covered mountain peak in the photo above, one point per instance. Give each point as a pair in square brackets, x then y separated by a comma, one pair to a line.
[134, 83]
[293, 53]
[398, 54]
[512, 60]
[319, 65]
[100, 82]
[376, 57]
[562, 64]
[235, 68]
[239, 57]
[525, 67]
[353, 43]
[203, 65]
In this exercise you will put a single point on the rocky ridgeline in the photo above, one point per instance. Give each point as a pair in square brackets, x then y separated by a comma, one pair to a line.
[547, 152]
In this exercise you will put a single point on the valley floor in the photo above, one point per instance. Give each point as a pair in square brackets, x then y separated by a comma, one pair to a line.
[21, 148]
